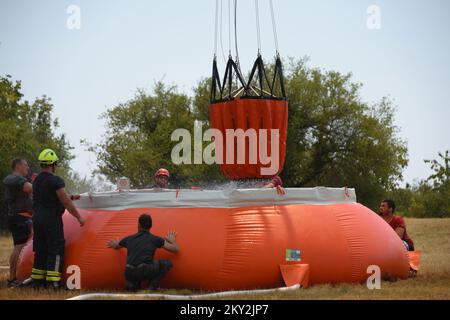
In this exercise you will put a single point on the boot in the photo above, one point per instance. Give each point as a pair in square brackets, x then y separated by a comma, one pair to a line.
[12, 283]
[33, 283]
[55, 285]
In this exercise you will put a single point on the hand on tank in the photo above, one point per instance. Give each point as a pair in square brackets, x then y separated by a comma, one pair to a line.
[171, 235]
[280, 190]
[81, 221]
[113, 244]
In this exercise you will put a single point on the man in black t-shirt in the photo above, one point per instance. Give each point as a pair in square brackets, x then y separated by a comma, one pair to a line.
[141, 249]
[49, 203]
[18, 201]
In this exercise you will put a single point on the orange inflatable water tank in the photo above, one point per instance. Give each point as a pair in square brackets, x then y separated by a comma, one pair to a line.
[258, 109]
[236, 239]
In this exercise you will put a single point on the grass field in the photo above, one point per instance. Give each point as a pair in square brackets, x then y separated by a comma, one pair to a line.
[431, 236]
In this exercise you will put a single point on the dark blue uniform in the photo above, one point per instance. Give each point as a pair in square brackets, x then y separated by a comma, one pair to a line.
[48, 240]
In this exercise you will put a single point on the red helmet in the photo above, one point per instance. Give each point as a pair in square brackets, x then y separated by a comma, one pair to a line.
[162, 172]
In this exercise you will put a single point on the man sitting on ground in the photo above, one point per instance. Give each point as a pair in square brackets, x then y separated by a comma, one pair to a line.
[387, 209]
[141, 249]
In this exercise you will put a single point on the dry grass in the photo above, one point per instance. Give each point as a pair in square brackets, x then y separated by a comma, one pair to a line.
[432, 237]
[5, 248]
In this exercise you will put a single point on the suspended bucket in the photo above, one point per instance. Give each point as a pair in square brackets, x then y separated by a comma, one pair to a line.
[252, 119]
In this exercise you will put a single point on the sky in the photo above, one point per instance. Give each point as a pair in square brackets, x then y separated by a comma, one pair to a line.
[400, 50]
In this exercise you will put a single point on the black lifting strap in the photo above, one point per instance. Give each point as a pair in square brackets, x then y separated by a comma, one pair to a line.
[279, 71]
[258, 69]
[215, 81]
[227, 82]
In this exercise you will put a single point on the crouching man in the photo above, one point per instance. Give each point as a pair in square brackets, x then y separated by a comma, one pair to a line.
[141, 247]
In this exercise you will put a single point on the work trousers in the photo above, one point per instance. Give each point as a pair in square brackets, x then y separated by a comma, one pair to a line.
[48, 247]
[152, 272]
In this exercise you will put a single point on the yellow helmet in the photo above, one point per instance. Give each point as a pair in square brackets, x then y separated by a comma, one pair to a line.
[48, 157]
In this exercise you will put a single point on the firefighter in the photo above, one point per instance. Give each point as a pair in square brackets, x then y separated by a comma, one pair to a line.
[161, 179]
[49, 203]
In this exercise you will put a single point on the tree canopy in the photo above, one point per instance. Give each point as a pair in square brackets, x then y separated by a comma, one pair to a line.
[138, 139]
[429, 197]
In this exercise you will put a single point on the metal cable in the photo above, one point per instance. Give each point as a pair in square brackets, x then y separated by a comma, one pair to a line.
[215, 28]
[235, 37]
[229, 27]
[258, 28]
[221, 33]
[274, 27]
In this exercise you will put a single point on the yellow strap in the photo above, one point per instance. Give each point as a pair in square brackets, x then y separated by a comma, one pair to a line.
[53, 273]
[38, 276]
[53, 278]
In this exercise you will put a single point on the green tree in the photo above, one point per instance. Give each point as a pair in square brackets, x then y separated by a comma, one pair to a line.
[25, 129]
[441, 173]
[432, 198]
[403, 197]
[336, 139]
[429, 197]
[137, 141]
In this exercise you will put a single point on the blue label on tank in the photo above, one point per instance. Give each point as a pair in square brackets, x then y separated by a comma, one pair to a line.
[293, 255]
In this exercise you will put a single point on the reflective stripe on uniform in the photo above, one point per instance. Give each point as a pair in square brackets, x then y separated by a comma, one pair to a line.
[38, 274]
[38, 271]
[53, 276]
[49, 278]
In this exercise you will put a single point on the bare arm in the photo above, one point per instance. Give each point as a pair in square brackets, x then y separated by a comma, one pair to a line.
[280, 189]
[27, 188]
[68, 204]
[170, 243]
[113, 244]
[400, 232]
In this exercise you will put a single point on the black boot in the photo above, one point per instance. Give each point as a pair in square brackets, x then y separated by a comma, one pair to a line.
[12, 283]
[55, 285]
[153, 285]
[131, 286]
[33, 283]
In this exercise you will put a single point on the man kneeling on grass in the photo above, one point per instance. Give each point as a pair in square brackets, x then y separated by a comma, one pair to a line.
[141, 248]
